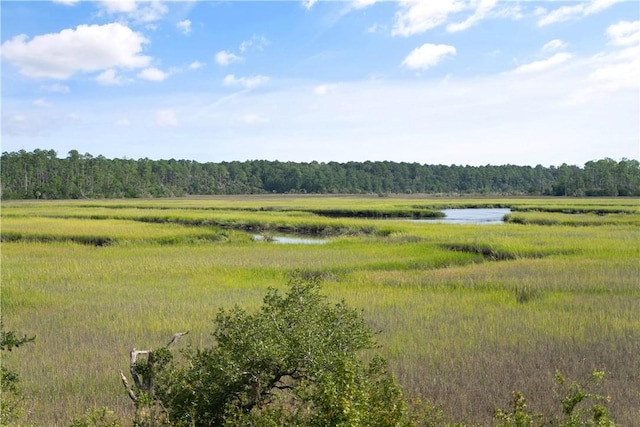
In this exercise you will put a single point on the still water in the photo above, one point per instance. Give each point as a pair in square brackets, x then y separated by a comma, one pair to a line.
[453, 216]
[289, 240]
[471, 216]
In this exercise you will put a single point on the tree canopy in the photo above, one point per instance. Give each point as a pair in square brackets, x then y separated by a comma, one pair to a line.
[42, 174]
[296, 361]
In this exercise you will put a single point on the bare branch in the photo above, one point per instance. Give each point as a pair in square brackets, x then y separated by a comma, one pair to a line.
[176, 337]
[132, 394]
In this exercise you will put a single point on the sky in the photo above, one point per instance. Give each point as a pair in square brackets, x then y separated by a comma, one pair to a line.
[473, 82]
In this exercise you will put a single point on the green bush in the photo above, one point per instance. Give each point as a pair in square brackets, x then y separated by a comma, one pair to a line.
[295, 362]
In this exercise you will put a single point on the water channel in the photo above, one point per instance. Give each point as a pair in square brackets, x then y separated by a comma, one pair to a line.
[470, 216]
[290, 240]
[453, 216]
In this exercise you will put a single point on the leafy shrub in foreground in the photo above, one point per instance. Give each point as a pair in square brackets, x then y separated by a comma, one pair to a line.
[581, 407]
[10, 408]
[295, 362]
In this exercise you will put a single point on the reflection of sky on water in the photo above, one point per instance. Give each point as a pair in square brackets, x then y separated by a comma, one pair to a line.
[291, 240]
[470, 216]
[453, 216]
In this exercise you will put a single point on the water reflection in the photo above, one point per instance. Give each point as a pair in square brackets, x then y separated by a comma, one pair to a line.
[470, 216]
[288, 240]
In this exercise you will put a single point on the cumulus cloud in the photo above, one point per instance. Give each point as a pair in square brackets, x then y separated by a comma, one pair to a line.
[184, 26]
[225, 58]
[615, 70]
[153, 74]
[544, 64]
[246, 82]
[482, 9]
[119, 6]
[196, 65]
[110, 77]
[576, 11]
[67, 2]
[624, 33]
[416, 17]
[427, 55]
[166, 118]
[87, 48]
[140, 11]
[554, 45]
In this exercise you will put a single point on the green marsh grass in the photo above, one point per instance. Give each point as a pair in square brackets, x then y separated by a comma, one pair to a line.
[458, 327]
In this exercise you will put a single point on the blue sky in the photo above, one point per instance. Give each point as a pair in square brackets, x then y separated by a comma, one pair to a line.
[435, 82]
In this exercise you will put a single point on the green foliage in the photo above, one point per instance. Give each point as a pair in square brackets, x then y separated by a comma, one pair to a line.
[10, 340]
[581, 407]
[99, 417]
[574, 396]
[519, 415]
[42, 175]
[293, 362]
[10, 402]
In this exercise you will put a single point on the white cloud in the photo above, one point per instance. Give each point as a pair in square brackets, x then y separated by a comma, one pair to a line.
[576, 11]
[324, 89]
[308, 4]
[141, 11]
[361, 4]
[42, 103]
[416, 17]
[375, 27]
[153, 74]
[154, 11]
[17, 124]
[166, 118]
[184, 26]
[553, 45]
[364, 3]
[57, 88]
[624, 33]
[258, 42]
[544, 64]
[67, 2]
[255, 119]
[427, 55]
[87, 48]
[620, 71]
[225, 58]
[617, 69]
[196, 65]
[246, 82]
[483, 7]
[118, 6]
[110, 77]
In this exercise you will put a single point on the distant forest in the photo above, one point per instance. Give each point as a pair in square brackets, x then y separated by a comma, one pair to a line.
[41, 174]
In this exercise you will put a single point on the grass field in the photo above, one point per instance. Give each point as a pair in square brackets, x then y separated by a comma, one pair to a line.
[466, 313]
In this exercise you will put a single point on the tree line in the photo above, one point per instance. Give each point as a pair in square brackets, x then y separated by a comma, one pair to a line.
[41, 174]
